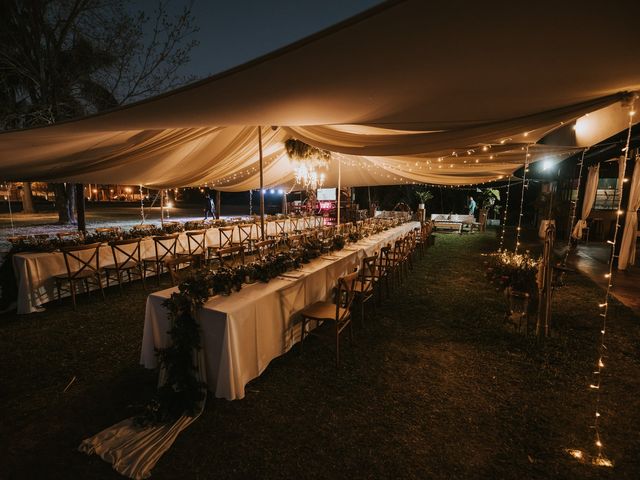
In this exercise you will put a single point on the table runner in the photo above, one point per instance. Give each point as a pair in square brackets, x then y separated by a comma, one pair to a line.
[35, 271]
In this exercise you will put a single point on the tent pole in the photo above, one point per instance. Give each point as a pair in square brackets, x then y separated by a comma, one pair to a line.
[339, 183]
[218, 203]
[261, 183]
[13, 230]
[162, 208]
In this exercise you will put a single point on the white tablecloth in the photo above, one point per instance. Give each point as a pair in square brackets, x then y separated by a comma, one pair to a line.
[243, 332]
[35, 271]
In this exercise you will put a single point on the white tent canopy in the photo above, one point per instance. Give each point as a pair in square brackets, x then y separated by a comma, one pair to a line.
[411, 91]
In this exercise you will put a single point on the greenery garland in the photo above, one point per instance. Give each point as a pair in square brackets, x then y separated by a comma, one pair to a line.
[182, 392]
[301, 151]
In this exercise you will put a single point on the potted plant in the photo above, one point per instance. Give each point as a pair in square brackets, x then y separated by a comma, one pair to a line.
[423, 198]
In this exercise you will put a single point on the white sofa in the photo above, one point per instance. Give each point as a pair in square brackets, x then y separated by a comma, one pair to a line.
[453, 221]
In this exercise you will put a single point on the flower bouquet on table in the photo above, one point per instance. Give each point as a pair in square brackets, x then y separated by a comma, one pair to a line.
[354, 236]
[338, 242]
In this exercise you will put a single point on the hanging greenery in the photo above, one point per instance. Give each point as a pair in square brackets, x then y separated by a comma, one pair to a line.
[300, 151]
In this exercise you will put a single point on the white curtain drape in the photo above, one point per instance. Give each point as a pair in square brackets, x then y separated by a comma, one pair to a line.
[627, 253]
[589, 198]
[134, 450]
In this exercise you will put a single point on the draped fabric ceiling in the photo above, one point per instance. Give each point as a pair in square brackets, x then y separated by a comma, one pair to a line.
[408, 92]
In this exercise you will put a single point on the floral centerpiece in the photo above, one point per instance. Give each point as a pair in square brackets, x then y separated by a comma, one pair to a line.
[517, 271]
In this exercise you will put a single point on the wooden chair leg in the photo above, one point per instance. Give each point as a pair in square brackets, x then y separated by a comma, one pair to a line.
[99, 278]
[304, 324]
[337, 345]
[143, 277]
[73, 293]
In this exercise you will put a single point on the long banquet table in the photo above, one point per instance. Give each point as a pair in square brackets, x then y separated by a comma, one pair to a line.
[241, 333]
[35, 271]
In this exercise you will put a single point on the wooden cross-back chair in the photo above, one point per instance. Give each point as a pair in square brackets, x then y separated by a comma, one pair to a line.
[245, 236]
[294, 241]
[231, 256]
[108, 230]
[306, 225]
[296, 224]
[83, 266]
[265, 248]
[226, 235]
[365, 284]
[196, 247]
[126, 259]
[397, 257]
[319, 221]
[143, 227]
[69, 234]
[338, 314]
[327, 234]
[382, 270]
[281, 228]
[165, 257]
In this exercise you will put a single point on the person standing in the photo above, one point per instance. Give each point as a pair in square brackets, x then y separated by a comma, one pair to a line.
[209, 207]
[472, 206]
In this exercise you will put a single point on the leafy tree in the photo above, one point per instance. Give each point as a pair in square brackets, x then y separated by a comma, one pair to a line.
[62, 59]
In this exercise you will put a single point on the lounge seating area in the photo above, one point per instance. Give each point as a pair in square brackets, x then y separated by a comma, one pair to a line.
[455, 222]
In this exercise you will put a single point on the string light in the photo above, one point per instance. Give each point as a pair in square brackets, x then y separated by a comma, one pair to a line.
[504, 216]
[142, 205]
[600, 459]
[524, 186]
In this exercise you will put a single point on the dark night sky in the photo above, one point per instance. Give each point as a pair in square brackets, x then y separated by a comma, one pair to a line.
[233, 32]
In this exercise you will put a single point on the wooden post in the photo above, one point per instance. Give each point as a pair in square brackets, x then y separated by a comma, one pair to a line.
[261, 183]
[284, 202]
[82, 225]
[218, 203]
[162, 208]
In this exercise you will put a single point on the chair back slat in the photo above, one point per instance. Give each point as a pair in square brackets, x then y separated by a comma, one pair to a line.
[245, 233]
[127, 249]
[346, 294]
[231, 256]
[73, 254]
[265, 248]
[226, 236]
[196, 240]
[280, 227]
[368, 271]
[165, 246]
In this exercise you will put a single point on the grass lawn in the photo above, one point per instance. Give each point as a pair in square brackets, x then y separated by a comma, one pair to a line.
[436, 387]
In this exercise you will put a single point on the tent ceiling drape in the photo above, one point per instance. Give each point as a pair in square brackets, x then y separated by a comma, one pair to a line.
[411, 91]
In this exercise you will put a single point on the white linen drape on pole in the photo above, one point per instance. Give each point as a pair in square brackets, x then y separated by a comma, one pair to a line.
[589, 198]
[627, 253]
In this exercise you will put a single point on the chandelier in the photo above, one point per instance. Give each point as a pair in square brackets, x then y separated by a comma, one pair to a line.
[306, 162]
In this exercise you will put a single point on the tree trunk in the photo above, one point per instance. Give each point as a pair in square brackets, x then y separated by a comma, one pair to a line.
[65, 203]
[27, 198]
[79, 190]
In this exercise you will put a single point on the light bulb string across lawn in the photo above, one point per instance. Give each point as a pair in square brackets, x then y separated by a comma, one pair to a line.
[600, 459]
[504, 217]
[524, 186]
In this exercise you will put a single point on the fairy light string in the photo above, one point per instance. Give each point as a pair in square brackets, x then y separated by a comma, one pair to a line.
[504, 215]
[524, 186]
[142, 204]
[600, 459]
